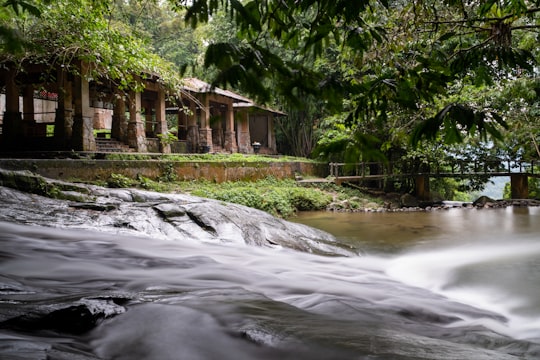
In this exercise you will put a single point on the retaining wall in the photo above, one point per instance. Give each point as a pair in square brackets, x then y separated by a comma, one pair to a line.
[92, 170]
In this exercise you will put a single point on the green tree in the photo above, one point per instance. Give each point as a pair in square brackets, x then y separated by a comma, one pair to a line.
[161, 28]
[395, 53]
[11, 40]
[63, 31]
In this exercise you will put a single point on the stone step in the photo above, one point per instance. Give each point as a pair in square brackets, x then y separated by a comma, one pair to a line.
[111, 145]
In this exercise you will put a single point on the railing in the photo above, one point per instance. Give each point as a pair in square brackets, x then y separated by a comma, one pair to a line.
[491, 167]
[364, 169]
[455, 168]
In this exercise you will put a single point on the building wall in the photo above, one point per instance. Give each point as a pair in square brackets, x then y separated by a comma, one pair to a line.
[44, 110]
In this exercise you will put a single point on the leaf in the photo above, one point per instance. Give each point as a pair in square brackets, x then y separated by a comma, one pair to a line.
[447, 36]
[454, 120]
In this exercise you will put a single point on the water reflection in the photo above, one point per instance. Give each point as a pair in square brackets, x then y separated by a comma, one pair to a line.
[391, 233]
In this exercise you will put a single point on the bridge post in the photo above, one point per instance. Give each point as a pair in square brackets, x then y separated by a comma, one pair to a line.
[421, 183]
[519, 186]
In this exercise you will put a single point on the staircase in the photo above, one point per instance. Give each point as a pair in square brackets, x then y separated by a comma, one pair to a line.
[111, 145]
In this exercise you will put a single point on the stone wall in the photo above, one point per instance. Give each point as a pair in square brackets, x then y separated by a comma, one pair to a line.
[92, 170]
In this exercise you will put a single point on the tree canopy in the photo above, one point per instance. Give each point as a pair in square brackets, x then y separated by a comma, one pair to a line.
[408, 59]
[58, 32]
[363, 79]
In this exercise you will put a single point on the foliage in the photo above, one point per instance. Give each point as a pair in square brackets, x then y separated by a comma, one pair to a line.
[221, 158]
[278, 197]
[397, 64]
[120, 181]
[167, 138]
[159, 26]
[168, 172]
[64, 32]
[10, 39]
[146, 183]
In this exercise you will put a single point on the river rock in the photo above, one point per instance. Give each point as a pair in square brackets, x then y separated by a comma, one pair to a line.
[409, 201]
[179, 217]
[484, 201]
[75, 318]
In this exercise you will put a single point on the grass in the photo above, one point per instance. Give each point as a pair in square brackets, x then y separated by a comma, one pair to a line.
[231, 158]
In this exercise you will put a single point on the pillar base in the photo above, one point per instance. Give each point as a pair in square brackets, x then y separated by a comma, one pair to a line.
[192, 139]
[205, 139]
[63, 128]
[230, 142]
[83, 133]
[136, 136]
[422, 188]
[519, 185]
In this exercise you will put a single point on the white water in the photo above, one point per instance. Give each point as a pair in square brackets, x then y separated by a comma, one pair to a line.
[490, 277]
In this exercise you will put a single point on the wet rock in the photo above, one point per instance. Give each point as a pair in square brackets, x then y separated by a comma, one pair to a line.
[170, 216]
[423, 315]
[76, 318]
[409, 201]
[170, 210]
[484, 201]
[93, 206]
[24, 181]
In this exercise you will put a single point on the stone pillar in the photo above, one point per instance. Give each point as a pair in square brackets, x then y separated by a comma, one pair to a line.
[161, 119]
[422, 187]
[192, 135]
[12, 123]
[83, 119]
[135, 134]
[119, 121]
[63, 122]
[230, 135]
[519, 185]
[205, 131]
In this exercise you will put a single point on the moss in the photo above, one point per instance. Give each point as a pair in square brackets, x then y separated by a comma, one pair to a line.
[219, 158]
[31, 183]
[25, 181]
[71, 196]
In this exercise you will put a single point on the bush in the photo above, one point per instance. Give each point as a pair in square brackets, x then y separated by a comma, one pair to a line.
[305, 199]
[277, 197]
[119, 181]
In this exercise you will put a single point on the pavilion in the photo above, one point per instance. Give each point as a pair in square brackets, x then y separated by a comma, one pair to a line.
[44, 108]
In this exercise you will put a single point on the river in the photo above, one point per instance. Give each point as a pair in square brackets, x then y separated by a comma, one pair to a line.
[488, 258]
[458, 284]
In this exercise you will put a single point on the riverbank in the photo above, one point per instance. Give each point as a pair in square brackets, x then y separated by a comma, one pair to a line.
[279, 197]
[264, 183]
[285, 197]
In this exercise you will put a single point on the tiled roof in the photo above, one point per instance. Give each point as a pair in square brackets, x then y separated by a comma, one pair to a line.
[195, 85]
[201, 87]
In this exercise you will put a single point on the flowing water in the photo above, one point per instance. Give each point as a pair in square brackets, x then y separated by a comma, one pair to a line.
[458, 284]
[486, 258]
